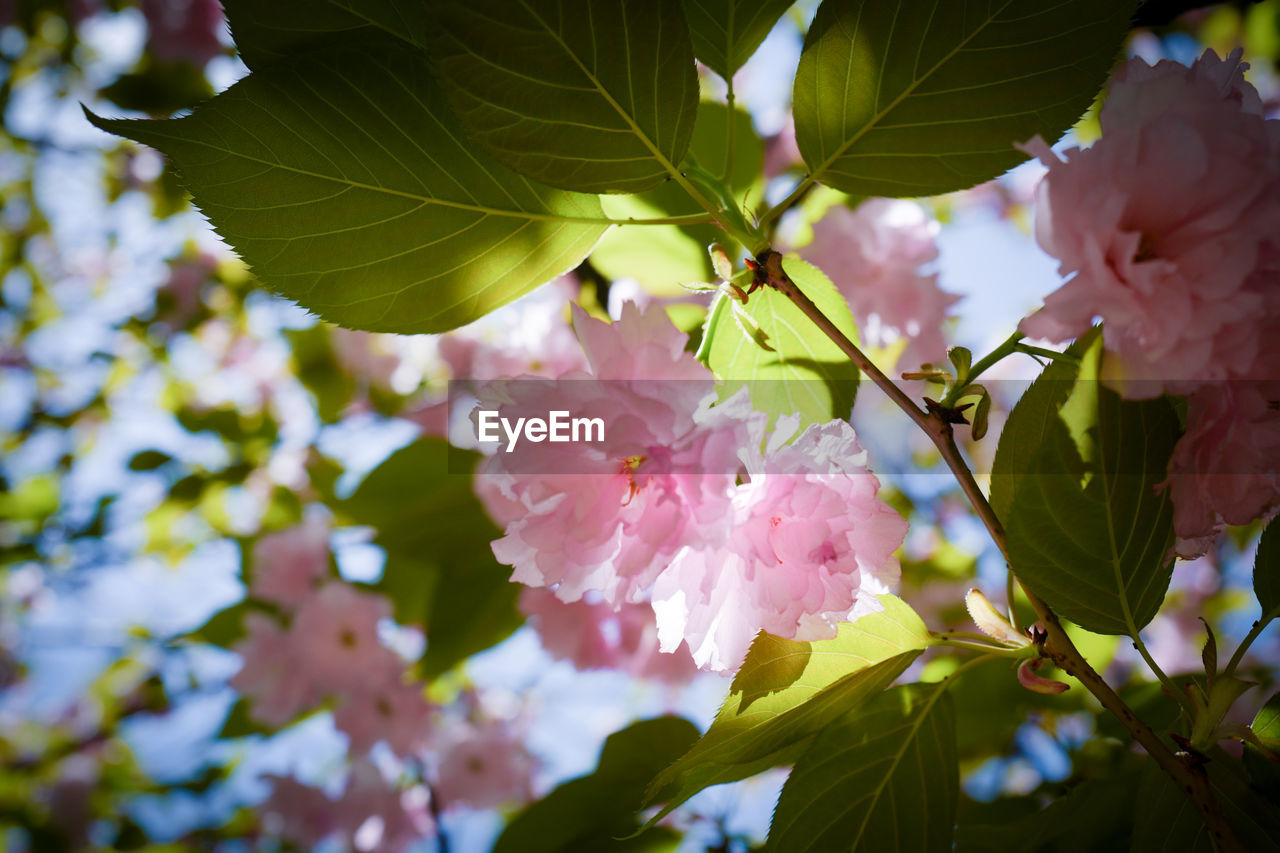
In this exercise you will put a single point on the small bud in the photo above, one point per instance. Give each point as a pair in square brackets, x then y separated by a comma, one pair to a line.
[720, 261]
[1037, 683]
[990, 621]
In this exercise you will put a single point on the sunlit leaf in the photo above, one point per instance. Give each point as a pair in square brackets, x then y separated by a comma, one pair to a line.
[1266, 571]
[921, 97]
[806, 374]
[865, 782]
[344, 181]
[597, 96]
[786, 692]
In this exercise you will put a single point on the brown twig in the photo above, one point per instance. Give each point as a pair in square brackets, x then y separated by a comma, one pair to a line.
[1058, 647]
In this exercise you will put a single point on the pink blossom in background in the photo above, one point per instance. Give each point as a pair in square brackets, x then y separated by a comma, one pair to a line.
[369, 356]
[387, 710]
[371, 814]
[810, 545]
[1167, 226]
[529, 337]
[184, 30]
[273, 678]
[1226, 468]
[482, 766]
[287, 565]
[595, 635]
[336, 632]
[781, 152]
[876, 256]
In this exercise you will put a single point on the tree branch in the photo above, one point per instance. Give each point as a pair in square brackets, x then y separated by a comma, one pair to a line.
[1184, 769]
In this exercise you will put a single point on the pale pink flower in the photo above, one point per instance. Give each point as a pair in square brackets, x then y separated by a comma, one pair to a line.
[273, 679]
[390, 711]
[369, 356]
[184, 30]
[781, 153]
[608, 515]
[298, 812]
[484, 766]
[529, 337]
[336, 635]
[810, 546]
[373, 815]
[1226, 468]
[287, 564]
[877, 256]
[595, 635]
[1167, 225]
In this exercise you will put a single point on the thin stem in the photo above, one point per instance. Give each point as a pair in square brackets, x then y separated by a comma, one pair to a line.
[727, 177]
[1188, 773]
[1172, 689]
[988, 648]
[1011, 597]
[1254, 632]
[786, 204]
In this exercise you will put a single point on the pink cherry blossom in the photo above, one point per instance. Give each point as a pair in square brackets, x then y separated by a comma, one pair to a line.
[811, 546]
[595, 635]
[184, 30]
[273, 679]
[608, 516]
[390, 711]
[483, 766]
[288, 564]
[877, 255]
[1167, 227]
[1226, 468]
[373, 358]
[336, 634]
[298, 812]
[529, 337]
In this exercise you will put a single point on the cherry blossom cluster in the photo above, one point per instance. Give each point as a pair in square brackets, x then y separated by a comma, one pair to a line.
[329, 647]
[1167, 227]
[883, 251]
[682, 505]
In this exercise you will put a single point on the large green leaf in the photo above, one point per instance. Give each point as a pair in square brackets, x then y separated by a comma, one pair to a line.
[726, 32]
[1030, 422]
[440, 571]
[788, 691]
[1266, 571]
[1094, 815]
[344, 181]
[595, 96]
[866, 781]
[665, 257]
[805, 374]
[591, 813]
[919, 97]
[1088, 530]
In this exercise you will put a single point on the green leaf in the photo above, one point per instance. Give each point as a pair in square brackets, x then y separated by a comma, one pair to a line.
[1266, 571]
[1095, 815]
[664, 257]
[268, 32]
[241, 723]
[149, 460]
[592, 812]
[726, 32]
[786, 692]
[344, 181]
[806, 374]
[596, 96]
[1030, 422]
[866, 781]
[1266, 724]
[440, 571]
[1087, 530]
[921, 97]
[1166, 820]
